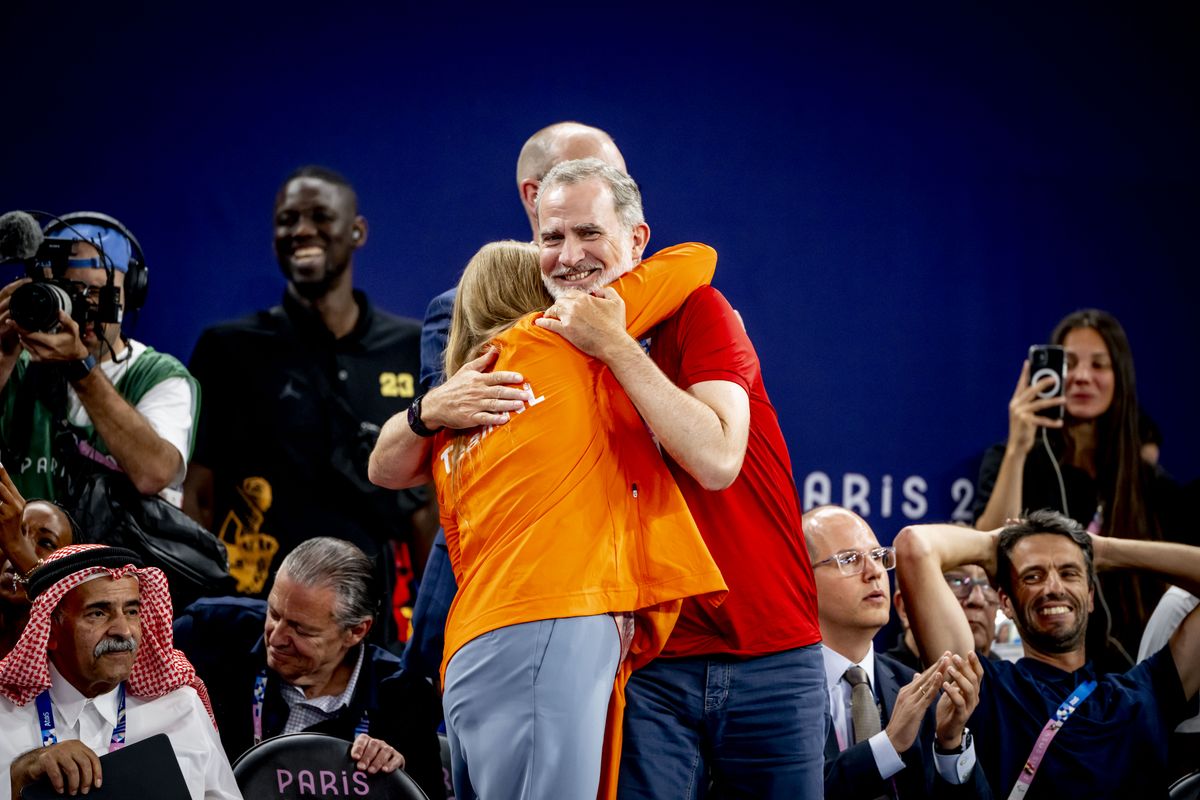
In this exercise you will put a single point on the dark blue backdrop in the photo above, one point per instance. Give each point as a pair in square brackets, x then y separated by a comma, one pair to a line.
[903, 198]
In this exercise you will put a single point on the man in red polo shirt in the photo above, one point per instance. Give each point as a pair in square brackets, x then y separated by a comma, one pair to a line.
[738, 696]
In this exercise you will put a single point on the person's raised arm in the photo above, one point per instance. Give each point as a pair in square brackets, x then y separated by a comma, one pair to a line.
[1025, 427]
[14, 545]
[923, 553]
[400, 458]
[471, 397]
[659, 285]
[1175, 563]
[151, 462]
[703, 427]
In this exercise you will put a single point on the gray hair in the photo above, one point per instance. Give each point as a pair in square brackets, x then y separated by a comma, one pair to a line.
[627, 198]
[338, 564]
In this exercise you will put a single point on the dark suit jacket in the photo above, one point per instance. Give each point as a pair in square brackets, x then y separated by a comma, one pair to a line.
[223, 639]
[852, 773]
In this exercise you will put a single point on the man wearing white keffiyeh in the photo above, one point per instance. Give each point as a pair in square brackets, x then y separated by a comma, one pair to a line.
[97, 655]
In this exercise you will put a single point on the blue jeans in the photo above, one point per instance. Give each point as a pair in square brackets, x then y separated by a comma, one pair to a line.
[720, 727]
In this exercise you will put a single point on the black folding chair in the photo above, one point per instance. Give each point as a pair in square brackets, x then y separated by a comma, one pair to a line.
[304, 765]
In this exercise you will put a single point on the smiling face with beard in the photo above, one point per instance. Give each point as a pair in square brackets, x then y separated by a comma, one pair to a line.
[317, 230]
[1052, 595]
[584, 244]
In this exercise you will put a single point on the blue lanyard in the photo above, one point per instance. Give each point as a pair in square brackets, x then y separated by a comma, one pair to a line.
[50, 735]
[1065, 709]
[260, 696]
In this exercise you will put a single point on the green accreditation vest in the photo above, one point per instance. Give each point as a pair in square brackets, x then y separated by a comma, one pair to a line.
[28, 430]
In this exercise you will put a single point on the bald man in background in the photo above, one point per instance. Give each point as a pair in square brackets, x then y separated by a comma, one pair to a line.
[907, 748]
[562, 141]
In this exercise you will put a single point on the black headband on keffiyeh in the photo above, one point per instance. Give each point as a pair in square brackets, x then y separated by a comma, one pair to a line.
[51, 572]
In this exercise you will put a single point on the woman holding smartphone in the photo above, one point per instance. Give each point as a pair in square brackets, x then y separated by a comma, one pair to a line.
[1086, 464]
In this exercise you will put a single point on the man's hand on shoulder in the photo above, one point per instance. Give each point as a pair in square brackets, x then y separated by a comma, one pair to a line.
[375, 755]
[71, 767]
[593, 323]
[475, 396]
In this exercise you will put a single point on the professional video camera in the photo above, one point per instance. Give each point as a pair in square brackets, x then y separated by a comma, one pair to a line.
[35, 305]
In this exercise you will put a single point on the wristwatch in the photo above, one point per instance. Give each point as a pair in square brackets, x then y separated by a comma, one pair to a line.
[78, 370]
[963, 744]
[414, 420]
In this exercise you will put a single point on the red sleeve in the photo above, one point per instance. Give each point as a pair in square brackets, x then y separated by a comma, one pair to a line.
[717, 347]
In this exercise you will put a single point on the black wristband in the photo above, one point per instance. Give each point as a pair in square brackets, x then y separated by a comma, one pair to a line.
[78, 370]
[963, 744]
[414, 420]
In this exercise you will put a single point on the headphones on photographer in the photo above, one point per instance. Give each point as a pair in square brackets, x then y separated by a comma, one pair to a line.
[137, 277]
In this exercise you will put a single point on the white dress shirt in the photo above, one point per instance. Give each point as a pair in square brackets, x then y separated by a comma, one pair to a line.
[886, 758]
[179, 714]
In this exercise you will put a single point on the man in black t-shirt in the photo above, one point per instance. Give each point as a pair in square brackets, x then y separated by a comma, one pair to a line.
[294, 396]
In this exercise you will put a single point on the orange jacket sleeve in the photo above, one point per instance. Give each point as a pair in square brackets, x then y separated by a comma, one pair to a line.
[657, 287]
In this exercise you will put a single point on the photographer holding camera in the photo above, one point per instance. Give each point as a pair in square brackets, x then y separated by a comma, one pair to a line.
[71, 383]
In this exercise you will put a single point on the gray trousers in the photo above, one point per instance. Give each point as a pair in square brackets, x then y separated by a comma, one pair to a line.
[525, 709]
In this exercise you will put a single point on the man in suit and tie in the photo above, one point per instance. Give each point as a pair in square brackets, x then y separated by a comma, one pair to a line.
[888, 738]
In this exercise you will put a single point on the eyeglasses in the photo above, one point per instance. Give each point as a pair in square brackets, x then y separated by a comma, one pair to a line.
[853, 562]
[962, 586]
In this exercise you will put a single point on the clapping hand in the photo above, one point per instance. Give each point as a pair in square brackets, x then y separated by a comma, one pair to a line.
[960, 696]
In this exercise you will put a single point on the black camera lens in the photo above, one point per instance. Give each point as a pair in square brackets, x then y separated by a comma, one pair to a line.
[35, 306]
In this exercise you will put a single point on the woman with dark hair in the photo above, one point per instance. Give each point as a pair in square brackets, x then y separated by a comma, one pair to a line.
[1088, 464]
